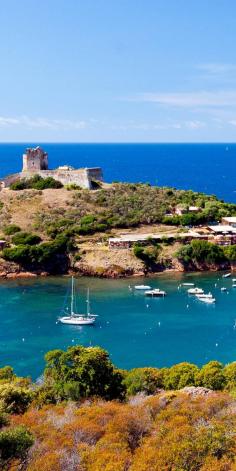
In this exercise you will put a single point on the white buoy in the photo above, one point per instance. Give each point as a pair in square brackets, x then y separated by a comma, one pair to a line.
[216, 344]
[23, 340]
[159, 323]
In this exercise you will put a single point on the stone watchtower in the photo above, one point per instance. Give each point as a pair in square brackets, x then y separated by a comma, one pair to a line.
[35, 160]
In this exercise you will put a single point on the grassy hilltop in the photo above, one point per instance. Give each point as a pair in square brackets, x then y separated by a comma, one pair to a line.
[57, 229]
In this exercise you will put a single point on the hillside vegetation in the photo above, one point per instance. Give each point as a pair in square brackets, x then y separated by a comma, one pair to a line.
[89, 416]
[50, 229]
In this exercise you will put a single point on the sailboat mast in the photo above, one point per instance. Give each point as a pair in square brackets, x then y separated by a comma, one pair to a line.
[72, 297]
[88, 303]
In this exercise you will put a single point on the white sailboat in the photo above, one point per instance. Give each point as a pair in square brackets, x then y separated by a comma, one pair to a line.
[74, 318]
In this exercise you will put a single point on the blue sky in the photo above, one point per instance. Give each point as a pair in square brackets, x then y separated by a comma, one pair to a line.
[118, 70]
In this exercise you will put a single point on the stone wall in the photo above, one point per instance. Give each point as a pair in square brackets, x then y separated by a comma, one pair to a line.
[6, 182]
[83, 177]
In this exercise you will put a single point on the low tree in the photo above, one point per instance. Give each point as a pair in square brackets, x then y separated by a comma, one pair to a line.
[230, 376]
[180, 375]
[146, 380]
[211, 376]
[83, 372]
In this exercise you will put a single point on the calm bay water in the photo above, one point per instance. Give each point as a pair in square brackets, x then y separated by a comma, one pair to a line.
[135, 330]
[201, 167]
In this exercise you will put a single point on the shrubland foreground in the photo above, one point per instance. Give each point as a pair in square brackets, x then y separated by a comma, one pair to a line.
[86, 415]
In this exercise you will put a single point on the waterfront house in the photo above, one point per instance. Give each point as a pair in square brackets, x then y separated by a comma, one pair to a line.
[230, 220]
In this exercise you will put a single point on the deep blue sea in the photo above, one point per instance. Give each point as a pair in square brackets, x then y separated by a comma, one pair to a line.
[210, 168]
[137, 331]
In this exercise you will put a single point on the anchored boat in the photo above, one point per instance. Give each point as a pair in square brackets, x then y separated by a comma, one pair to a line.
[195, 291]
[76, 318]
[155, 293]
[207, 300]
[204, 296]
[142, 287]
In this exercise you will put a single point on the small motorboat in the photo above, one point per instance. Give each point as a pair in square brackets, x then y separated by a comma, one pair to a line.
[155, 293]
[234, 280]
[195, 291]
[188, 284]
[142, 287]
[223, 288]
[234, 285]
[226, 275]
[204, 296]
[208, 300]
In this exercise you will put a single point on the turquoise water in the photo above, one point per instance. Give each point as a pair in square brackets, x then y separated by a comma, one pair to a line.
[135, 330]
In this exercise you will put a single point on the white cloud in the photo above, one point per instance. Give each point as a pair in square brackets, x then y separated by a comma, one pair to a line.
[233, 122]
[8, 121]
[195, 124]
[203, 98]
[40, 122]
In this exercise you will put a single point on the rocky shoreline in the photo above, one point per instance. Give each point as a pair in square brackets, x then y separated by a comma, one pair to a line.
[9, 270]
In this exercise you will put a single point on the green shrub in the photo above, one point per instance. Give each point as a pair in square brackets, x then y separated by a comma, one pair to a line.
[148, 255]
[18, 185]
[180, 375]
[25, 238]
[36, 183]
[39, 254]
[11, 229]
[201, 251]
[39, 183]
[230, 252]
[45, 395]
[72, 186]
[81, 372]
[14, 399]
[7, 373]
[20, 254]
[230, 376]
[146, 380]
[212, 376]
[14, 443]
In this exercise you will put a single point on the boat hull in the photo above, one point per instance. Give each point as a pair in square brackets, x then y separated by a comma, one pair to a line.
[77, 321]
[156, 294]
[142, 287]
